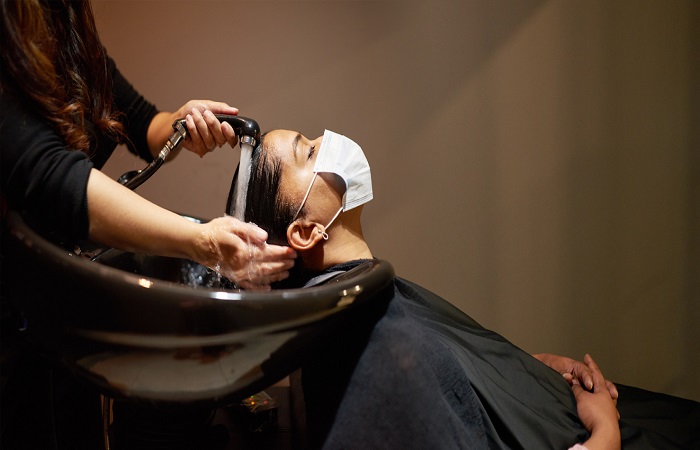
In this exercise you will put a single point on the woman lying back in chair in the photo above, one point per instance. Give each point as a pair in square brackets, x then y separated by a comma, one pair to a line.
[416, 372]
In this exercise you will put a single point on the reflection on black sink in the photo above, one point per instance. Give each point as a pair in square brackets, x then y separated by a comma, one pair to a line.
[181, 271]
[165, 329]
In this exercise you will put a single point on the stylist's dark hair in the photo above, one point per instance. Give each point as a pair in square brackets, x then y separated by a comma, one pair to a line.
[265, 205]
[52, 57]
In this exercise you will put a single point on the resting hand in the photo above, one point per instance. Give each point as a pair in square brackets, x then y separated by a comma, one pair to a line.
[597, 411]
[204, 131]
[575, 371]
[238, 251]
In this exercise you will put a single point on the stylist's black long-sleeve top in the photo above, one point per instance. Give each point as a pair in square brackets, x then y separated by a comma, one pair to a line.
[48, 181]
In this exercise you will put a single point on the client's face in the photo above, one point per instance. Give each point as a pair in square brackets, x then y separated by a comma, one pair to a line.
[297, 157]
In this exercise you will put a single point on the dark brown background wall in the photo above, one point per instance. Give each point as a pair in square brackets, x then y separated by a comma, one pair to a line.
[535, 162]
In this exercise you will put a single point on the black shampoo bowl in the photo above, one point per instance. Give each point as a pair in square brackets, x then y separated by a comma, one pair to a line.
[144, 327]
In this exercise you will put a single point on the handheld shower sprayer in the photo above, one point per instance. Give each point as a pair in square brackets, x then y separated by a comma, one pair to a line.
[247, 130]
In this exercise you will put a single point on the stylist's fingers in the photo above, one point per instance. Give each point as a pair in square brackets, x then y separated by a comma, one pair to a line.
[246, 258]
[268, 264]
[259, 276]
[215, 128]
[204, 105]
[256, 237]
[229, 134]
[222, 132]
[258, 283]
[259, 271]
[216, 107]
[266, 261]
[202, 129]
[249, 233]
[194, 141]
[269, 252]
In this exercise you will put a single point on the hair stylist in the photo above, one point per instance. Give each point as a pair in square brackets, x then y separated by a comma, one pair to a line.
[64, 107]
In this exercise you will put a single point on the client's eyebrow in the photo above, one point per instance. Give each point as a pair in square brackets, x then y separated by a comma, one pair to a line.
[295, 142]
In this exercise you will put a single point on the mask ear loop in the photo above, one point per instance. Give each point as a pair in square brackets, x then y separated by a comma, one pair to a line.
[305, 196]
[325, 235]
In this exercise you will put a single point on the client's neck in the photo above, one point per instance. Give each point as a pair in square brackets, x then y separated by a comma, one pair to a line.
[345, 243]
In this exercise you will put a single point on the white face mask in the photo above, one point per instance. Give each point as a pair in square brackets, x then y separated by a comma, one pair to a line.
[343, 157]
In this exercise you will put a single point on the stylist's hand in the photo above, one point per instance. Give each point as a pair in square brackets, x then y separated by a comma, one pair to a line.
[597, 411]
[204, 131]
[238, 251]
[575, 371]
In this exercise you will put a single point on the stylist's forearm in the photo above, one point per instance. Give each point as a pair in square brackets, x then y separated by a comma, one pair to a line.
[159, 130]
[122, 219]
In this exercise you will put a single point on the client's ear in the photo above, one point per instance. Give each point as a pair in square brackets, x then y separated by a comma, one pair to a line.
[303, 235]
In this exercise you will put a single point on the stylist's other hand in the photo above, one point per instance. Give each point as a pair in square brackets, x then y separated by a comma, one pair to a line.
[204, 131]
[238, 251]
[575, 371]
[597, 411]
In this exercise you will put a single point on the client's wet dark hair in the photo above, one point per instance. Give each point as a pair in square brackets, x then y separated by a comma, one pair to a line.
[265, 206]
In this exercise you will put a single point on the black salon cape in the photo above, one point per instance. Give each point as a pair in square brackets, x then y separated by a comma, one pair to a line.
[417, 373]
